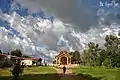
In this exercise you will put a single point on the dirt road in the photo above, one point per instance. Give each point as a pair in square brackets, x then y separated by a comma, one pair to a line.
[67, 76]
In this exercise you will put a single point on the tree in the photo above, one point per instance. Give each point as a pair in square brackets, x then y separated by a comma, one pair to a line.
[0, 52]
[54, 62]
[39, 62]
[113, 50]
[93, 51]
[91, 55]
[112, 44]
[107, 62]
[16, 52]
[85, 57]
[108, 56]
[75, 56]
[102, 57]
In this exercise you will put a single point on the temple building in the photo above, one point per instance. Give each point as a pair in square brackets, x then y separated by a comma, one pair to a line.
[63, 58]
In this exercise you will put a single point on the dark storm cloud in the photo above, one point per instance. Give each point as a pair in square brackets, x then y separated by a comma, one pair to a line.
[74, 12]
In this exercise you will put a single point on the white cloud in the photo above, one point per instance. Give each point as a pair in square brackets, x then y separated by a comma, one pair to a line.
[42, 37]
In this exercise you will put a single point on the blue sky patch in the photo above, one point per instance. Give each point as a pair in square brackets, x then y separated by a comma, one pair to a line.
[6, 25]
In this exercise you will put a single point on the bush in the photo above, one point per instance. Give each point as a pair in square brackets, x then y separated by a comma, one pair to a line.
[107, 63]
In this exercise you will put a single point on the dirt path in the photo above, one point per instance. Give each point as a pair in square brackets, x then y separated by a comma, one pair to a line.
[66, 76]
[69, 75]
[60, 71]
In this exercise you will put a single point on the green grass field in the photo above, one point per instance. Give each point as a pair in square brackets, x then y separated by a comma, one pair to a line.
[106, 74]
[49, 73]
[31, 73]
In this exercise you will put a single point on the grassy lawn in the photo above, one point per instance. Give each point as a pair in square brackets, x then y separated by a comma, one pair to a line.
[32, 73]
[106, 74]
[48, 73]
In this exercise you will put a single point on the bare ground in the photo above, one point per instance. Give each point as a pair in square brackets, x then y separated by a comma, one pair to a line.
[68, 75]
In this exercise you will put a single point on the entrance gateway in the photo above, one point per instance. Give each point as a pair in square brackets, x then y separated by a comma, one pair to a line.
[63, 58]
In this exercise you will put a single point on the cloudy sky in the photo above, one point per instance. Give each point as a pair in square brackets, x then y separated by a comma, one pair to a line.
[41, 28]
[80, 13]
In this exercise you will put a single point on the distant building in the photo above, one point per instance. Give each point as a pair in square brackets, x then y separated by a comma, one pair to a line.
[63, 58]
[2, 59]
[15, 59]
[9, 59]
[29, 61]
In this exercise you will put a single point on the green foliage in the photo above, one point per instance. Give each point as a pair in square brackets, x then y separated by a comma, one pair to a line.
[31, 73]
[54, 62]
[91, 55]
[109, 56]
[75, 56]
[16, 52]
[105, 74]
[112, 50]
[107, 62]
[39, 62]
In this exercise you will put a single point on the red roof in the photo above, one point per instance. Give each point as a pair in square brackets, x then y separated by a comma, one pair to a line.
[30, 59]
[3, 55]
[15, 57]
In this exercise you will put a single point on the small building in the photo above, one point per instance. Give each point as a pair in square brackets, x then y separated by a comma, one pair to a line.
[15, 59]
[7, 60]
[2, 59]
[29, 61]
[63, 58]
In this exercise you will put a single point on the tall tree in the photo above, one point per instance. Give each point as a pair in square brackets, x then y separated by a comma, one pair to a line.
[113, 50]
[16, 52]
[75, 56]
[91, 55]
[85, 57]
[109, 56]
